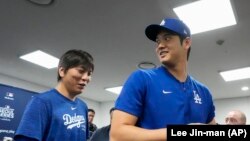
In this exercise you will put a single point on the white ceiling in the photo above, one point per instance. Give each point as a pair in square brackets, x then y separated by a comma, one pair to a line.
[113, 32]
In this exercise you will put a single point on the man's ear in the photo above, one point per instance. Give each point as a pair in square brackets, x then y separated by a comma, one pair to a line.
[61, 72]
[187, 43]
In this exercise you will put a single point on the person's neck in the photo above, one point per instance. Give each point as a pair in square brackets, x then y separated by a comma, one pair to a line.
[179, 71]
[63, 91]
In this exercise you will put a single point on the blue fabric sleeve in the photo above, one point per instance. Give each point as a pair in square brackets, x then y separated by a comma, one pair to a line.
[34, 120]
[131, 99]
[211, 107]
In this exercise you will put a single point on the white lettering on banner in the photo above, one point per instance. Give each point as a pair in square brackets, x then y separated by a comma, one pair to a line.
[9, 96]
[73, 121]
[7, 131]
[6, 113]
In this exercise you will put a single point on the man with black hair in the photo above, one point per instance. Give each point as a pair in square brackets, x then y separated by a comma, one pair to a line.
[92, 126]
[152, 99]
[58, 114]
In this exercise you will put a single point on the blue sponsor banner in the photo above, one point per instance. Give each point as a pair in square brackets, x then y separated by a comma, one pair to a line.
[12, 104]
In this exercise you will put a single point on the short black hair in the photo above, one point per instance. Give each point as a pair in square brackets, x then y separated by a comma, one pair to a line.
[111, 110]
[91, 110]
[74, 58]
[182, 38]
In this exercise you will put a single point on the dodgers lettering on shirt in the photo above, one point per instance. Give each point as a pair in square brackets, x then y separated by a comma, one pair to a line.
[73, 121]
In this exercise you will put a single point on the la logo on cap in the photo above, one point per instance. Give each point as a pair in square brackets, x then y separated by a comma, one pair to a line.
[185, 32]
[162, 22]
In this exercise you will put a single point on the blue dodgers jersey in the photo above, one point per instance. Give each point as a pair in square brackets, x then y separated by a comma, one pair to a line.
[51, 116]
[158, 99]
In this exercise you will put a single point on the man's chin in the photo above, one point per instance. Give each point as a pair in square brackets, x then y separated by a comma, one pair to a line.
[164, 61]
[78, 92]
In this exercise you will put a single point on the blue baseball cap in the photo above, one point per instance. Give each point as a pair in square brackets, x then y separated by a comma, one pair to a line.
[169, 24]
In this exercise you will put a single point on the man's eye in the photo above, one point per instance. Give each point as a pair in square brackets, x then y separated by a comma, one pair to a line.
[157, 41]
[81, 71]
[167, 38]
[90, 73]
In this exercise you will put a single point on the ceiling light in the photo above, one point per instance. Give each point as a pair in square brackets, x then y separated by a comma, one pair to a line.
[42, 59]
[245, 88]
[237, 74]
[206, 15]
[116, 90]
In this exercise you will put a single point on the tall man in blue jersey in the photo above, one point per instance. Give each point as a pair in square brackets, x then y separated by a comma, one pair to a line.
[58, 114]
[154, 98]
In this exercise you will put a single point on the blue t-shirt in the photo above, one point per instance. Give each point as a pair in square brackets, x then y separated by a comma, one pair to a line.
[52, 117]
[158, 99]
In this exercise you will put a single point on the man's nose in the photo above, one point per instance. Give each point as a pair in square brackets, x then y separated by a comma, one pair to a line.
[86, 77]
[160, 45]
